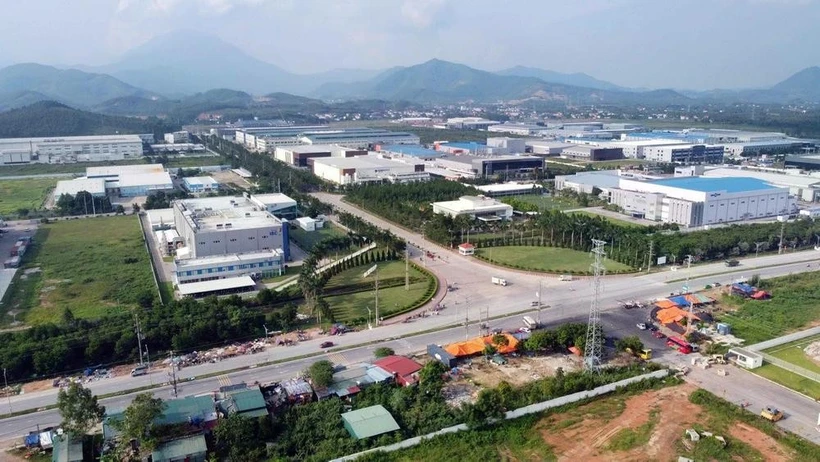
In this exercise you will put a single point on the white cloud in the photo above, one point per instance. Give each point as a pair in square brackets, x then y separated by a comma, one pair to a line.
[422, 13]
[203, 7]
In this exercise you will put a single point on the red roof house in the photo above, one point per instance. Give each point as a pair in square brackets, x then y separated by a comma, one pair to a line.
[405, 370]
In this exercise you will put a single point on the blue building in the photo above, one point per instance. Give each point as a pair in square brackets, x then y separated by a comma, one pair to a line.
[200, 184]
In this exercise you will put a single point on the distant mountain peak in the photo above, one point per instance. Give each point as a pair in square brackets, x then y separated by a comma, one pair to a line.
[576, 79]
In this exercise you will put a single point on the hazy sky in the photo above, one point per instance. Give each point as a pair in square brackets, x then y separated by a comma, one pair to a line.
[694, 44]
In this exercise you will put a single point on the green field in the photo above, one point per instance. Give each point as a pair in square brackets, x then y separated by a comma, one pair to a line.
[195, 161]
[289, 272]
[616, 221]
[547, 202]
[789, 379]
[307, 239]
[24, 194]
[547, 259]
[95, 267]
[45, 169]
[793, 352]
[391, 299]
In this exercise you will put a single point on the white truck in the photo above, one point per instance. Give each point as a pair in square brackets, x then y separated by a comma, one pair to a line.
[530, 323]
[499, 281]
[565, 277]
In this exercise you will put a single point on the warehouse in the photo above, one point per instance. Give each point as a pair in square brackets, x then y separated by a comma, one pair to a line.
[362, 169]
[70, 149]
[701, 201]
[410, 151]
[756, 148]
[359, 138]
[140, 184]
[504, 145]
[803, 162]
[200, 184]
[635, 149]
[508, 166]
[260, 264]
[473, 148]
[277, 204]
[113, 172]
[547, 148]
[517, 129]
[686, 154]
[592, 153]
[481, 207]
[227, 225]
[588, 182]
[286, 135]
[510, 189]
[805, 187]
[93, 186]
[299, 155]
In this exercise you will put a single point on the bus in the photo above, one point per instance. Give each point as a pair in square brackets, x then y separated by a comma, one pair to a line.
[682, 345]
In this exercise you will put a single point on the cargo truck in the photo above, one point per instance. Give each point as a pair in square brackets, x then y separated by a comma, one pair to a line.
[530, 323]
[771, 414]
[499, 281]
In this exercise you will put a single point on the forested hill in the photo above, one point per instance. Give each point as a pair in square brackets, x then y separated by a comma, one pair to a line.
[48, 118]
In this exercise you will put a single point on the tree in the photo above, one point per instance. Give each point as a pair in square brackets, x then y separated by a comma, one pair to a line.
[321, 373]
[119, 210]
[489, 350]
[381, 352]
[79, 409]
[431, 379]
[138, 421]
[488, 407]
[632, 342]
[500, 340]
[238, 439]
[135, 207]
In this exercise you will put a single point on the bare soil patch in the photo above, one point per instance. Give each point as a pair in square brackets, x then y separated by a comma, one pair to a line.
[760, 441]
[519, 370]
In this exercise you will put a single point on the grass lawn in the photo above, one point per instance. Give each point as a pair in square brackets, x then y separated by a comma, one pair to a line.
[290, 271]
[24, 194]
[793, 352]
[789, 379]
[387, 270]
[547, 202]
[615, 221]
[195, 161]
[95, 267]
[548, 259]
[306, 240]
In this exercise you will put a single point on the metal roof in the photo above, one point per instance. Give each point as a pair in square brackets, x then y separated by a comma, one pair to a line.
[369, 421]
[730, 185]
[179, 449]
[194, 288]
[248, 402]
[191, 407]
[411, 150]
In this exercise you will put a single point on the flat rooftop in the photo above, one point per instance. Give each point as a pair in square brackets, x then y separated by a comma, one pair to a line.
[76, 139]
[784, 179]
[602, 179]
[194, 288]
[273, 199]
[504, 187]
[200, 180]
[93, 186]
[235, 258]
[116, 170]
[227, 212]
[731, 185]
[411, 150]
[162, 179]
[361, 162]
[309, 148]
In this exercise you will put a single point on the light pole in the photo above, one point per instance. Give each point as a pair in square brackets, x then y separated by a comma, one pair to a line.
[8, 395]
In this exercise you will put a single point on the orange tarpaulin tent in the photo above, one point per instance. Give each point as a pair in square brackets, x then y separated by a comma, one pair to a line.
[673, 314]
[476, 345]
[665, 304]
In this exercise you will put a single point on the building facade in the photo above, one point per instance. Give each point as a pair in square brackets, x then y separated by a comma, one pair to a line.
[476, 207]
[200, 184]
[70, 149]
[364, 169]
[592, 153]
[686, 154]
[261, 264]
[178, 137]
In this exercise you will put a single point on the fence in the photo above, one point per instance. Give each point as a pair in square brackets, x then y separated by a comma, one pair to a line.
[784, 339]
[329, 265]
[531, 409]
[790, 367]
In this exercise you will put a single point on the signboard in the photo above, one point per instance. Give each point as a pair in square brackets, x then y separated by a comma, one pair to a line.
[662, 260]
[370, 271]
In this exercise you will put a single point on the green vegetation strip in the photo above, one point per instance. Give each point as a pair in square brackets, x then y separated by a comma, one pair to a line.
[789, 380]
[18, 197]
[545, 259]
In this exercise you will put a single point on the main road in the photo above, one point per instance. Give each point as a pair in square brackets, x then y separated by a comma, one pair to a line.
[474, 297]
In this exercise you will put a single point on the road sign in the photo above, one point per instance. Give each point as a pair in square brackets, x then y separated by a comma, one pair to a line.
[370, 271]
[685, 288]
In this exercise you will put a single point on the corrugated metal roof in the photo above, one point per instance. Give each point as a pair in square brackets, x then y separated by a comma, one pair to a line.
[249, 403]
[369, 421]
[178, 449]
[216, 284]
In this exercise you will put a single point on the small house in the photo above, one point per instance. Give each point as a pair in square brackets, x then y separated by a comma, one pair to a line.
[466, 249]
[67, 449]
[247, 402]
[369, 421]
[190, 449]
[306, 223]
[404, 370]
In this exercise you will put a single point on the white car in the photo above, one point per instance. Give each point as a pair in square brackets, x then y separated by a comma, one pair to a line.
[524, 329]
[641, 326]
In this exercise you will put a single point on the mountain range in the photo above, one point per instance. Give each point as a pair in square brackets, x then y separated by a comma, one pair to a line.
[177, 73]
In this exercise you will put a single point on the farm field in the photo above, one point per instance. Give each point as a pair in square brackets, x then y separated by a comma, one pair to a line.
[637, 426]
[24, 194]
[793, 352]
[547, 259]
[306, 240]
[95, 267]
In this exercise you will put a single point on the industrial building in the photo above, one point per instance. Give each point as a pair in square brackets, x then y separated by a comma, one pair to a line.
[481, 207]
[471, 166]
[409, 151]
[588, 182]
[510, 189]
[804, 187]
[363, 138]
[701, 201]
[119, 180]
[227, 225]
[178, 137]
[470, 123]
[504, 145]
[517, 129]
[592, 153]
[363, 169]
[70, 149]
[277, 204]
[473, 148]
[258, 264]
[299, 155]
[686, 154]
[177, 148]
[200, 184]
[635, 149]
[275, 136]
[547, 148]
[756, 148]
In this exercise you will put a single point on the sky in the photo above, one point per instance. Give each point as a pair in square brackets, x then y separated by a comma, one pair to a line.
[682, 44]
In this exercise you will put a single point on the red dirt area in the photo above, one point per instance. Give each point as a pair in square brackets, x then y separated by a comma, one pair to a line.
[584, 434]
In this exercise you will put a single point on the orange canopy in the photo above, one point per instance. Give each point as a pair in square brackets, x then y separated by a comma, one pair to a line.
[476, 345]
[673, 314]
[665, 304]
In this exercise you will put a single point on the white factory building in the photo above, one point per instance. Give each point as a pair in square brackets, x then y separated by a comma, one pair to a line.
[299, 155]
[178, 137]
[200, 184]
[119, 180]
[481, 207]
[277, 204]
[686, 154]
[69, 149]
[546, 147]
[804, 187]
[510, 189]
[227, 225]
[231, 268]
[371, 168]
[700, 201]
[505, 145]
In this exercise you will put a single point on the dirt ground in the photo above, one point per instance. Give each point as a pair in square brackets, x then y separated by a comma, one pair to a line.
[520, 370]
[597, 423]
[229, 177]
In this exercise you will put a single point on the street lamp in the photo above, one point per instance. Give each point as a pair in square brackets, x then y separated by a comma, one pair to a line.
[8, 395]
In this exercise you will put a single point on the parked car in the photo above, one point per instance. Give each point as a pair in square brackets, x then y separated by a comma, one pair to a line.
[523, 329]
[641, 326]
[326, 345]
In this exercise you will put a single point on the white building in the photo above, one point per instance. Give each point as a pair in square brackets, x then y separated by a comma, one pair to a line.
[160, 218]
[308, 224]
[168, 240]
[93, 186]
[362, 169]
[635, 149]
[510, 189]
[178, 147]
[481, 207]
[277, 204]
[299, 155]
[517, 129]
[70, 149]
[360, 138]
[200, 184]
[263, 263]
[178, 137]
[227, 225]
[470, 123]
[805, 187]
[589, 182]
[547, 148]
[702, 201]
[504, 145]
[685, 153]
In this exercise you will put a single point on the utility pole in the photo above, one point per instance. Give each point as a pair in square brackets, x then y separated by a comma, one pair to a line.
[8, 392]
[173, 372]
[138, 331]
[378, 321]
[538, 313]
[782, 231]
[685, 291]
[651, 255]
[757, 248]
[406, 266]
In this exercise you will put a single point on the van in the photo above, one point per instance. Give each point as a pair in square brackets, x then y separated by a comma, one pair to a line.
[139, 370]
[565, 277]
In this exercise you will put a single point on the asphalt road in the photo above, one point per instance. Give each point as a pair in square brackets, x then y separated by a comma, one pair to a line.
[474, 296]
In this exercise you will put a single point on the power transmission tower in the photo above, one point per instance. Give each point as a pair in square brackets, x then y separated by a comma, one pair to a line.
[593, 351]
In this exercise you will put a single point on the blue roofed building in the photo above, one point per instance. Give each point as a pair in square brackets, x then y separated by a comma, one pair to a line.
[702, 201]
[410, 150]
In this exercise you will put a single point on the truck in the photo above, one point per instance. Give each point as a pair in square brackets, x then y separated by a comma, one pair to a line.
[645, 354]
[771, 414]
[732, 263]
[499, 281]
[530, 323]
[565, 277]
